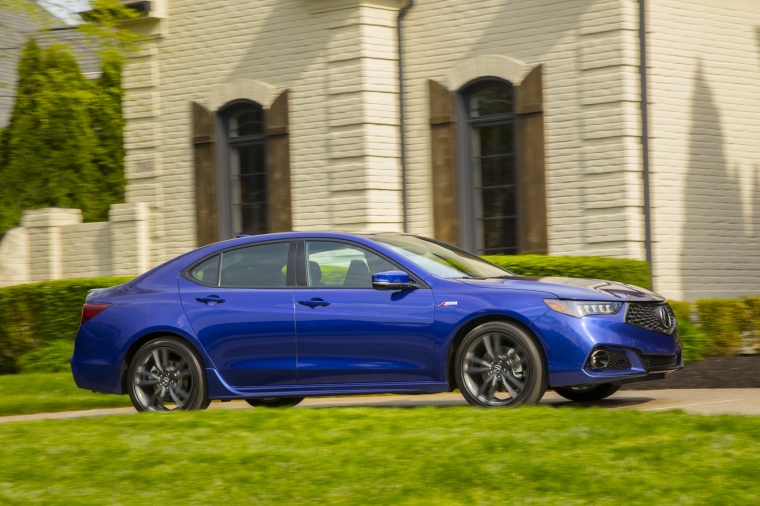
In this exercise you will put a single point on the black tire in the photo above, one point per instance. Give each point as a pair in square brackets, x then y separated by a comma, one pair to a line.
[588, 393]
[500, 364]
[166, 375]
[274, 402]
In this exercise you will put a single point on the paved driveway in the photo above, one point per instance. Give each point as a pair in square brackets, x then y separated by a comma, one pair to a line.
[744, 401]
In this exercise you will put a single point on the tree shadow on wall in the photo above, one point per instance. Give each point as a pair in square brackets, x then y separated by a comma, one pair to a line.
[713, 233]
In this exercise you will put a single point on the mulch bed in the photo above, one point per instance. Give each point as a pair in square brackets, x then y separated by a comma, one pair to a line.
[715, 372]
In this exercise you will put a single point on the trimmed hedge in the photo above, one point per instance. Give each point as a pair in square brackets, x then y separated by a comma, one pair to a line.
[34, 315]
[35, 319]
[38, 321]
[624, 270]
[723, 319]
[696, 344]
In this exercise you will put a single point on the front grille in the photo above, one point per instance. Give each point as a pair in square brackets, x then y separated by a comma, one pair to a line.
[618, 362]
[648, 316]
[660, 362]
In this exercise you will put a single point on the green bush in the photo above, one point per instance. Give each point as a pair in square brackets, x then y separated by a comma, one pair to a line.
[696, 343]
[34, 315]
[624, 270]
[51, 357]
[722, 320]
[38, 321]
[682, 310]
[751, 322]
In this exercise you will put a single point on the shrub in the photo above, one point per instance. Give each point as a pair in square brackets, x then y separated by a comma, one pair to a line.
[624, 270]
[722, 320]
[696, 343]
[751, 321]
[37, 314]
[52, 357]
[682, 310]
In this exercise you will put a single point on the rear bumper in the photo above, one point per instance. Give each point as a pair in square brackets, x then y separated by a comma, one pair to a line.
[90, 364]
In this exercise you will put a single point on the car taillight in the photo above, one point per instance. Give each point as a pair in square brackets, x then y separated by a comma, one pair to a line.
[90, 310]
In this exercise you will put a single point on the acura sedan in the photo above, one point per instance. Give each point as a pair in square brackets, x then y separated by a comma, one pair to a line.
[274, 318]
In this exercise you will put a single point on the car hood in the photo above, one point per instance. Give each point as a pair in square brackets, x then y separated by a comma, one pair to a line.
[571, 288]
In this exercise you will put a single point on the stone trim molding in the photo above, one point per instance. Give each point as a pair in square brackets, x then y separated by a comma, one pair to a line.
[250, 89]
[486, 65]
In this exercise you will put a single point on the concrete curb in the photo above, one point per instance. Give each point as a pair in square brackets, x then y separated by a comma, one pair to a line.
[735, 401]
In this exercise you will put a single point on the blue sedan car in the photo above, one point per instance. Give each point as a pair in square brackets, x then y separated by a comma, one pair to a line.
[275, 318]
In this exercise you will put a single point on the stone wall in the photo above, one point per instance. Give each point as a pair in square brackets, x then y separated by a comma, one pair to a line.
[54, 244]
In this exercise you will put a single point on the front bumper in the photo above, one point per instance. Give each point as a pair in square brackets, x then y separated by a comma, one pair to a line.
[636, 354]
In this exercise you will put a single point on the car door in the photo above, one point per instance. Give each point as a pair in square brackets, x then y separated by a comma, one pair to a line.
[350, 333]
[240, 305]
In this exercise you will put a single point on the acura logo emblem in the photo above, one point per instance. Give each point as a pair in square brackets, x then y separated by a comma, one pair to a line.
[666, 318]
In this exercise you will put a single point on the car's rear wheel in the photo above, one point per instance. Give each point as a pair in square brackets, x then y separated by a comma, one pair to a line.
[588, 393]
[166, 375]
[274, 402]
[500, 364]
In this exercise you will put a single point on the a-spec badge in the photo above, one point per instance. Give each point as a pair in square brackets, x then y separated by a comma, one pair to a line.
[448, 303]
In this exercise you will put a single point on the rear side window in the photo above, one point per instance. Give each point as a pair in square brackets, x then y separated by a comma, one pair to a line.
[261, 266]
[207, 272]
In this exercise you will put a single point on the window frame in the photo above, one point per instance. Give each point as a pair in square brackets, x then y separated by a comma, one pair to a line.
[302, 280]
[465, 132]
[290, 275]
[228, 144]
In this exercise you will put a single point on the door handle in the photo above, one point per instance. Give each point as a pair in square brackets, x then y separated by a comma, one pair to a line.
[315, 302]
[210, 300]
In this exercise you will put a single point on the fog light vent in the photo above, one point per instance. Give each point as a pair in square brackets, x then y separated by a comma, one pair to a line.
[608, 360]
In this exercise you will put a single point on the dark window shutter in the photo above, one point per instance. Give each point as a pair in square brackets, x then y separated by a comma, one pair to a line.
[278, 166]
[444, 163]
[204, 153]
[529, 107]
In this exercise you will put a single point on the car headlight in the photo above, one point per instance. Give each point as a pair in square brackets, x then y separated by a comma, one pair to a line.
[581, 308]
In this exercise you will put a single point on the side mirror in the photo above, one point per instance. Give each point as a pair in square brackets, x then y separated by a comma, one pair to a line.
[392, 280]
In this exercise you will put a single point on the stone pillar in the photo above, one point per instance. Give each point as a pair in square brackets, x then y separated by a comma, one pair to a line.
[130, 238]
[14, 257]
[45, 248]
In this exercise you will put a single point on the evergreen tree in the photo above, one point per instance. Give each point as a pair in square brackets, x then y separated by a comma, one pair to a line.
[64, 144]
[21, 143]
[66, 169]
[108, 123]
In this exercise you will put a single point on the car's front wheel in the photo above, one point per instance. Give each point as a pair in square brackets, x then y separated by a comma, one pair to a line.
[588, 393]
[274, 402]
[500, 364]
[166, 375]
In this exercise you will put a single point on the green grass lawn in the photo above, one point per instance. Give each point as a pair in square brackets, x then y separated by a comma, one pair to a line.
[39, 393]
[356, 456]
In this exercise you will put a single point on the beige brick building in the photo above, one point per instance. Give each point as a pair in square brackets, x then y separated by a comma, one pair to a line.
[520, 131]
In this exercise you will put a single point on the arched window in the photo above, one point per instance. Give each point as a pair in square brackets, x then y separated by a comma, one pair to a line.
[241, 154]
[488, 164]
[490, 175]
[245, 171]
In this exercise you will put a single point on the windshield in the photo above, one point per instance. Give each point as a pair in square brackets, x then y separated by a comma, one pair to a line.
[441, 259]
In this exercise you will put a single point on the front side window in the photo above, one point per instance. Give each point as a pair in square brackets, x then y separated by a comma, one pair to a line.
[338, 264]
[491, 171]
[246, 167]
